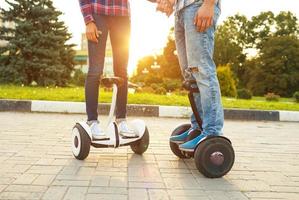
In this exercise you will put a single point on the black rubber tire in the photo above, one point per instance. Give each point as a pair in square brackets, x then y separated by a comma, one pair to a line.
[206, 148]
[140, 146]
[175, 147]
[85, 143]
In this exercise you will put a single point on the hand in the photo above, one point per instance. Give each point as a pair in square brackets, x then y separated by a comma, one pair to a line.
[165, 6]
[204, 17]
[92, 32]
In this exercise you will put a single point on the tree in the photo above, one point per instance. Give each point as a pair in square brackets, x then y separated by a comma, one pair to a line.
[153, 69]
[37, 49]
[265, 25]
[277, 68]
[169, 62]
[226, 81]
[230, 44]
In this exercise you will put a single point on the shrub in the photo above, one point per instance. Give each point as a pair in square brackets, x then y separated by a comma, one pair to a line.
[160, 90]
[296, 96]
[78, 78]
[226, 81]
[147, 90]
[181, 92]
[172, 84]
[244, 94]
[155, 86]
[272, 97]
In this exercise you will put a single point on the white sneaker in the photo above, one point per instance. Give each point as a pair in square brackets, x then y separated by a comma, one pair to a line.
[124, 129]
[97, 132]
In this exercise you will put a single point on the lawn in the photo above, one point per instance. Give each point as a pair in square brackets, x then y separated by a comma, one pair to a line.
[77, 94]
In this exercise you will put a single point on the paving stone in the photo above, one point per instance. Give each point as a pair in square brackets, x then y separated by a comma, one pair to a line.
[38, 164]
[2, 187]
[146, 185]
[156, 194]
[26, 179]
[55, 193]
[26, 188]
[100, 181]
[105, 197]
[20, 195]
[70, 183]
[44, 180]
[108, 190]
[75, 193]
[140, 194]
[118, 182]
[272, 195]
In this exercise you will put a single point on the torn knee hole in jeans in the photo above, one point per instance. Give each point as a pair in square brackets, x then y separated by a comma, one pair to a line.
[192, 70]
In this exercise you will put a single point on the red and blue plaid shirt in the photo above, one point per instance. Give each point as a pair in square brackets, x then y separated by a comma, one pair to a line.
[104, 7]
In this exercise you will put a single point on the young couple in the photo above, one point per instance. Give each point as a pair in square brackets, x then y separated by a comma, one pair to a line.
[195, 22]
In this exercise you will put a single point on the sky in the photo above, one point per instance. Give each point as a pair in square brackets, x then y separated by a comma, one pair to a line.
[150, 28]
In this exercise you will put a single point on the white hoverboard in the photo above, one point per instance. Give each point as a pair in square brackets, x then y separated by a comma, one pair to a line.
[82, 137]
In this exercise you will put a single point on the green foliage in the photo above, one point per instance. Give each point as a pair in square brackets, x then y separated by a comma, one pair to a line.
[226, 81]
[146, 90]
[272, 97]
[277, 68]
[272, 66]
[171, 84]
[229, 41]
[244, 94]
[77, 94]
[78, 78]
[269, 36]
[266, 25]
[160, 90]
[156, 69]
[296, 96]
[37, 49]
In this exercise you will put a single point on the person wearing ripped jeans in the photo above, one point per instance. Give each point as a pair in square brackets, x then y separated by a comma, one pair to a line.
[195, 24]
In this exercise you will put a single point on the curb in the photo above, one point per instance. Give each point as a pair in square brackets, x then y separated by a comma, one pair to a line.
[143, 110]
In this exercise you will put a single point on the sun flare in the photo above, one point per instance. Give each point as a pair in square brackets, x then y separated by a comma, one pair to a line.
[149, 31]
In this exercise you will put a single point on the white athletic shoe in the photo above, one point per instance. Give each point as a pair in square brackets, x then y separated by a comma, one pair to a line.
[124, 129]
[97, 132]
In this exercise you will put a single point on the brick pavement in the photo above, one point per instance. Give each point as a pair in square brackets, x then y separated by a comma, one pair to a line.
[36, 163]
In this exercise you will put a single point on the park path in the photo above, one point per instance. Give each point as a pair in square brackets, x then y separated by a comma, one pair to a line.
[36, 163]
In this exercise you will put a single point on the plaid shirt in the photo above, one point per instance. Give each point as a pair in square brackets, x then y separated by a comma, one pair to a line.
[104, 7]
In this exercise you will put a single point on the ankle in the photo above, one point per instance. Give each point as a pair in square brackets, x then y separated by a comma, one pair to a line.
[90, 122]
[120, 120]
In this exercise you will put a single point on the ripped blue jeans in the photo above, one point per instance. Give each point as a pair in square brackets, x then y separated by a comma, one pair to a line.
[195, 52]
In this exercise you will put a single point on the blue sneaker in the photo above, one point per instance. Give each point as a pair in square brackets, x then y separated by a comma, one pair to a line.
[179, 139]
[192, 144]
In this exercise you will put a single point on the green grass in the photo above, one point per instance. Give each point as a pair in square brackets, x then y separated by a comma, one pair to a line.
[77, 94]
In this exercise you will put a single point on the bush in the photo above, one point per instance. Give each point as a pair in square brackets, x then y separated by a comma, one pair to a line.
[296, 96]
[147, 90]
[181, 92]
[78, 78]
[226, 81]
[155, 86]
[172, 84]
[272, 97]
[160, 90]
[244, 94]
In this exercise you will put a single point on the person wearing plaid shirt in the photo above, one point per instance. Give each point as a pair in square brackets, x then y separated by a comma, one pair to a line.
[103, 18]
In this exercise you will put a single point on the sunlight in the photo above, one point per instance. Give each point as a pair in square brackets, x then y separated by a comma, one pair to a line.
[149, 31]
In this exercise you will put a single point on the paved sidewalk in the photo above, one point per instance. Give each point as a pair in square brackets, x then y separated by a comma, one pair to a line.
[36, 163]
